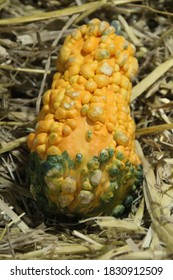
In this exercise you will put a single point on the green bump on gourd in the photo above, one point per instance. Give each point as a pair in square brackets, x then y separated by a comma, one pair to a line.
[53, 182]
[85, 197]
[96, 177]
[89, 135]
[139, 174]
[121, 138]
[116, 24]
[55, 172]
[113, 171]
[79, 158]
[127, 202]
[87, 186]
[54, 179]
[134, 188]
[102, 54]
[84, 109]
[68, 185]
[111, 152]
[93, 164]
[46, 177]
[119, 164]
[104, 156]
[110, 192]
[120, 155]
[118, 211]
[107, 195]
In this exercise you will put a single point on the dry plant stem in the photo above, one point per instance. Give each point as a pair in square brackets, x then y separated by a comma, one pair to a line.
[13, 123]
[153, 10]
[132, 245]
[3, 3]
[90, 11]
[129, 31]
[114, 253]
[86, 238]
[63, 12]
[78, 2]
[12, 145]
[154, 129]
[163, 229]
[120, 225]
[145, 255]
[153, 199]
[51, 15]
[59, 250]
[148, 238]
[115, 2]
[19, 69]
[151, 78]
[139, 214]
[163, 36]
[14, 217]
[9, 185]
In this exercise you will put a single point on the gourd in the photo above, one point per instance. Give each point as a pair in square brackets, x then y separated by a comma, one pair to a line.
[82, 152]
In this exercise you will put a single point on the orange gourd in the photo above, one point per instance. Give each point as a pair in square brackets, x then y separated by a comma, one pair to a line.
[83, 159]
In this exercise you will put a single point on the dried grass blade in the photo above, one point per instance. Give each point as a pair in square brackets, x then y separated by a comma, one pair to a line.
[139, 213]
[90, 11]
[132, 245]
[13, 123]
[129, 31]
[120, 225]
[14, 217]
[86, 238]
[49, 15]
[19, 69]
[16, 188]
[148, 238]
[153, 199]
[115, 2]
[115, 252]
[154, 129]
[3, 4]
[12, 145]
[57, 251]
[146, 255]
[147, 7]
[151, 78]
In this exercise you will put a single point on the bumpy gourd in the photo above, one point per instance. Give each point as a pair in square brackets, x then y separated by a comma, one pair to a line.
[83, 159]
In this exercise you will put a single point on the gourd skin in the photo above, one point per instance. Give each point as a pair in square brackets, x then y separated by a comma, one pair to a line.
[83, 160]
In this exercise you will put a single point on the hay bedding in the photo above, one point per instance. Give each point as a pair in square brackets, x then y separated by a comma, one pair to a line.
[30, 36]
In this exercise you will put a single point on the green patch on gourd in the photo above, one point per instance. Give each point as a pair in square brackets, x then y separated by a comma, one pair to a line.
[54, 185]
